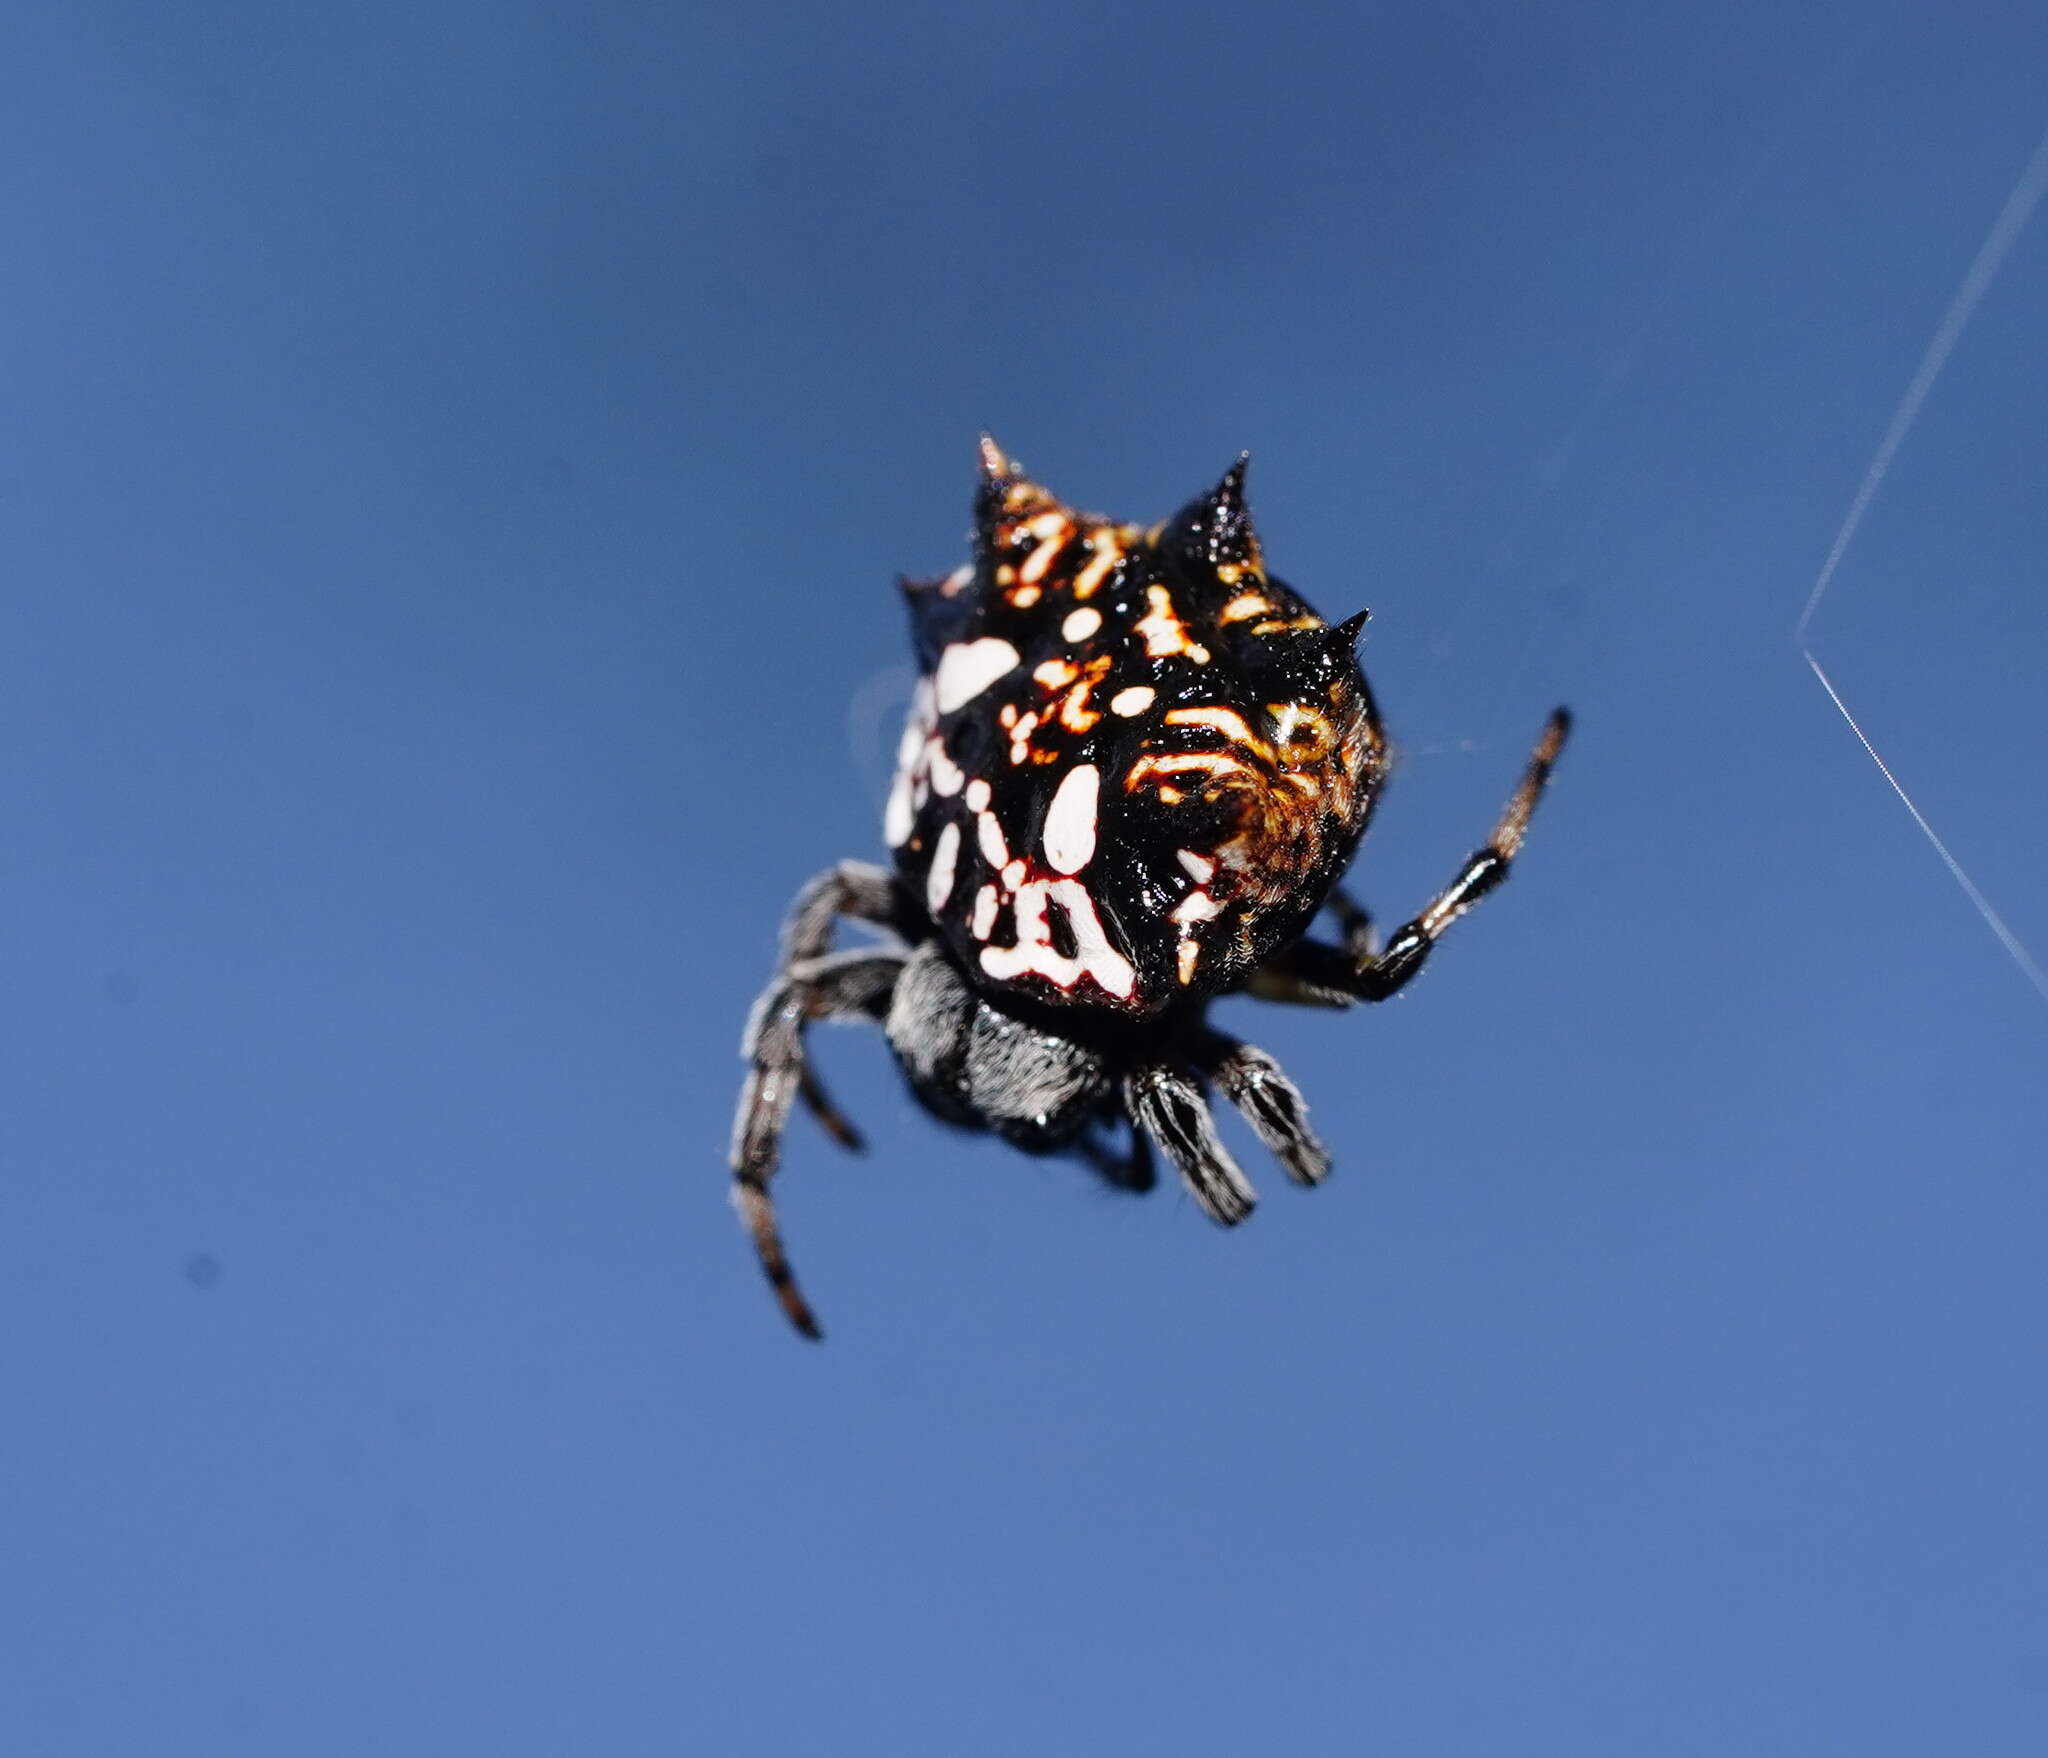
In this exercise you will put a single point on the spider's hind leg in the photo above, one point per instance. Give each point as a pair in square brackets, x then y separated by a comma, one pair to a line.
[853, 984]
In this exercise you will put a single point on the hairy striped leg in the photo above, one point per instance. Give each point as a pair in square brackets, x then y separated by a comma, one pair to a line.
[1310, 971]
[1167, 1103]
[853, 984]
[854, 891]
[1272, 1104]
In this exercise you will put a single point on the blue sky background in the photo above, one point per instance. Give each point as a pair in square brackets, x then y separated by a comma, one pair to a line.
[453, 467]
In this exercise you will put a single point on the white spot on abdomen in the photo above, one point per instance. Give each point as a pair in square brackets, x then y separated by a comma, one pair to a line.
[899, 817]
[995, 849]
[938, 885]
[1135, 700]
[1082, 623]
[947, 775]
[1093, 955]
[1070, 820]
[917, 722]
[968, 667]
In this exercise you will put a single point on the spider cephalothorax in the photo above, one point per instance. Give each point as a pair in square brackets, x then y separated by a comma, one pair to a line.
[1134, 767]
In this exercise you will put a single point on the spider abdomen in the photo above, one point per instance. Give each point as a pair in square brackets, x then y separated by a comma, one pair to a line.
[1134, 761]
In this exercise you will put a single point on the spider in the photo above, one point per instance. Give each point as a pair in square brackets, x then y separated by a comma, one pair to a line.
[1134, 769]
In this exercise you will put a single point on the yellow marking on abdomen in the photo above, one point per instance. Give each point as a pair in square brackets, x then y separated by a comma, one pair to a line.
[1107, 554]
[1165, 634]
[1180, 762]
[1227, 721]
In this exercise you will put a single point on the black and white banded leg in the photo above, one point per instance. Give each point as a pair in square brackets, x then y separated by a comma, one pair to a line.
[855, 891]
[853, 984]
[1311, 971]
[1272, 1104]
[1167, 1103]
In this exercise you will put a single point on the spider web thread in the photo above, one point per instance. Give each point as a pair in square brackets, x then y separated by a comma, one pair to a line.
[2012, 218]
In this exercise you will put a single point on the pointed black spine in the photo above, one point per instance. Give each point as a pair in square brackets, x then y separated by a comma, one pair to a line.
[1216, 530]
[997, 476]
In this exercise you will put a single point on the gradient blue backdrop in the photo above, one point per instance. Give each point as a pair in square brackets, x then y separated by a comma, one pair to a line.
[452, 469]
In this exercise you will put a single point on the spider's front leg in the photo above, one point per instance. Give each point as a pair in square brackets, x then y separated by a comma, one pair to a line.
[1168, 1104]
[809, 983]
[1271, 1103]
[855, 891]
[1313, 972]
[854, 984]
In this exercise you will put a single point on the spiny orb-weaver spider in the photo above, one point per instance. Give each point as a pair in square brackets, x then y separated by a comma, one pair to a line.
[1134, 768]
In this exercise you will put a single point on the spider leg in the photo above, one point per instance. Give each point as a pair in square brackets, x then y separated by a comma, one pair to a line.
[852, 984]
[1275, 981]
[1356, 922]
[1271, 1103]
[840, 1127]
[1167, 1104]
[1310, 971]
[856, 891]
[1131, 1170]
